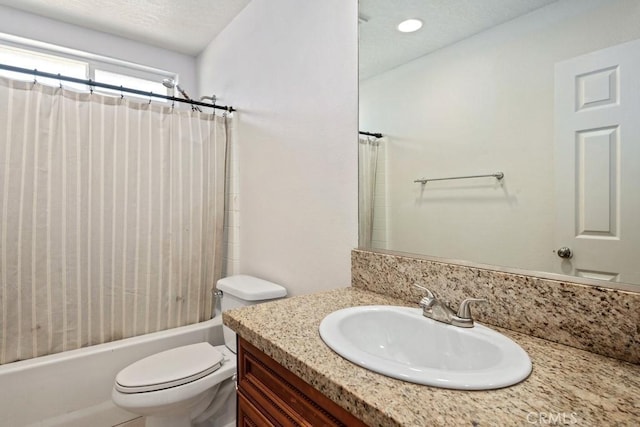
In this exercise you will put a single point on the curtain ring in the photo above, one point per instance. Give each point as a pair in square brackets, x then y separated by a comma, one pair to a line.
[90, 87]
[121, 94]
[35, 73]
[59, 81]
[150, 96]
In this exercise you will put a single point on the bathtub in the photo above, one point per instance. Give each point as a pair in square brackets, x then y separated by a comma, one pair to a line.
[73, 388]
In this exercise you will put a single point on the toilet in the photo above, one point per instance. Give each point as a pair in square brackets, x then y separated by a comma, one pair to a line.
[192, 385]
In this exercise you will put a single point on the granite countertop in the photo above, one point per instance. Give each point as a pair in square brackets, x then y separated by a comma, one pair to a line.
[567, 386]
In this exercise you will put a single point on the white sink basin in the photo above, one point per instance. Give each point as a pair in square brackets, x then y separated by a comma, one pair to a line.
[400, 342]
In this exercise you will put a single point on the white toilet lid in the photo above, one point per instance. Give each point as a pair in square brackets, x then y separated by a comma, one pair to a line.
[169, 368]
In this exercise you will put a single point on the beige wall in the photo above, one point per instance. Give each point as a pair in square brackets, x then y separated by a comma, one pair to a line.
[290, 67]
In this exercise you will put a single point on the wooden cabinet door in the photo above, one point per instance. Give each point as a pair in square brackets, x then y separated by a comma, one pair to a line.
[249, 415]
[281, 397]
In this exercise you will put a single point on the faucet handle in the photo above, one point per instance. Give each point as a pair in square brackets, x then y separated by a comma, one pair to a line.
[426, 302]
[464, 311]
[429, 293]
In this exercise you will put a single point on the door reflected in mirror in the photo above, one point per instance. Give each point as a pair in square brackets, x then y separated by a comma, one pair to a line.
[545, 92]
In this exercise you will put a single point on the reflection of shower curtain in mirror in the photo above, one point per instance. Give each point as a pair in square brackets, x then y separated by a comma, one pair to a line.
[111, 217]
[367, 164]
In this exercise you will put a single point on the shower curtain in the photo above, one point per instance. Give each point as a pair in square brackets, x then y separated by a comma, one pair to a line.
[367, 164]
[111, 217]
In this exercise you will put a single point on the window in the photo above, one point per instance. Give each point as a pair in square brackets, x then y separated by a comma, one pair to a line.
[48, 58]
[42, 62]
[128, 81]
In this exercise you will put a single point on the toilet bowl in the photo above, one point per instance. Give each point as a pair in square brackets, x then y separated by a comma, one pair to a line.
[195, 384]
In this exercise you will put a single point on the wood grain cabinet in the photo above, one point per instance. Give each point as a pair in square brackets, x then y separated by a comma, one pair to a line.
[270, 395]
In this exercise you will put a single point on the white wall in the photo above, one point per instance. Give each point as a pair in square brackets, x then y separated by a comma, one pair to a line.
[479, 106]
[290, 67]
[35, 27]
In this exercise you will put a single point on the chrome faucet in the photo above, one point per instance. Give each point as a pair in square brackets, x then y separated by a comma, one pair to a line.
[437, 309]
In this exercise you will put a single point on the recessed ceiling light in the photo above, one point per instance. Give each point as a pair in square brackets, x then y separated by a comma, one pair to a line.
[410, 25]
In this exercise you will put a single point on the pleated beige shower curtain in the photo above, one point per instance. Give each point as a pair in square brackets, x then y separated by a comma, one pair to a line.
[111, 217]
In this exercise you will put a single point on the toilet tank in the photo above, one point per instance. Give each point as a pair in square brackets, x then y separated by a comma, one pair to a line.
[241, 291]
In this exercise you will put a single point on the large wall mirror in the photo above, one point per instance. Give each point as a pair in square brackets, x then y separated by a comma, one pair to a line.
[510, 134]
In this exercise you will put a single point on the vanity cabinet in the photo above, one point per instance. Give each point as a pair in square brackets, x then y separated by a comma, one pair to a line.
[270, 395]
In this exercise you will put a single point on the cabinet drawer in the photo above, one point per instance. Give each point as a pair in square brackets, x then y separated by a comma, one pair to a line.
[282, 397]
[249, 415]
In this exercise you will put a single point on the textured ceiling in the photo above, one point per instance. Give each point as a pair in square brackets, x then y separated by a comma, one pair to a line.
[382, 47]
[185, 26]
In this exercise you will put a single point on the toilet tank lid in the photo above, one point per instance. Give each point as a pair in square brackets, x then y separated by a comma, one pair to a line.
[250, 288]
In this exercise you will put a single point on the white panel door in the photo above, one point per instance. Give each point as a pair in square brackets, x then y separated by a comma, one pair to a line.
[597, 163]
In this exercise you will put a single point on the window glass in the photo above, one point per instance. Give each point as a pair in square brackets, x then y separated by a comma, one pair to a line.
[42, 62]
[118, 79]
[30, 54]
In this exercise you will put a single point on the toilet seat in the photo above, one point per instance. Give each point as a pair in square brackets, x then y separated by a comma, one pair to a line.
[170, 368]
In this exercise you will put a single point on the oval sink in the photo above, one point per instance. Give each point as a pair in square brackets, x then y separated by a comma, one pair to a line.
[400, 342]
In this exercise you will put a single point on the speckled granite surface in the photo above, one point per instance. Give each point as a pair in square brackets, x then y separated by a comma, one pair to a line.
[575, 386]
[599, 320]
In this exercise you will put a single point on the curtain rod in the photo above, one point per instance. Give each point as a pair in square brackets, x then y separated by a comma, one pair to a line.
[90, 82]
[377, 135]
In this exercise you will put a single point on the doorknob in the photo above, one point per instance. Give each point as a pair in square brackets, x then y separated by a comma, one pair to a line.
[564, 252]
